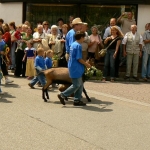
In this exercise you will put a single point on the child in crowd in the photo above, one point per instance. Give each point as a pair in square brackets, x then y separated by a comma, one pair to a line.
[48, 59]
[49, 63]
[18, 35]
[76, 69]
[30, 54]
[40, 66]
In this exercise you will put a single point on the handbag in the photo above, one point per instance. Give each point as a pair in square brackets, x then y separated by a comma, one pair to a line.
[102, 52]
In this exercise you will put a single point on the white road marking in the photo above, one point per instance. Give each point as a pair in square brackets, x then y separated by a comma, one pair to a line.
[119, 98]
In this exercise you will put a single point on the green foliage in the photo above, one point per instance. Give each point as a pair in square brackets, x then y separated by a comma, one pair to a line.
[55, 57]
[93, 73]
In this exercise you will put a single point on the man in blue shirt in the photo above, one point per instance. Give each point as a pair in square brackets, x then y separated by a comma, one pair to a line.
[77, 25]
[76, 69]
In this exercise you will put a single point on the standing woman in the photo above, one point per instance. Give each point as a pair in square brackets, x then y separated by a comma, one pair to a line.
[112, 51]
[46, 28]
[60, 22]
[5, 60]
[54, 41]
[13, 45]
[21, 66]
[95, 41]
[62, 61]
[7, 39]
[85, 42]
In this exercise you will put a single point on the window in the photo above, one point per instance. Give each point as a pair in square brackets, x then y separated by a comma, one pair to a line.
[92, 14]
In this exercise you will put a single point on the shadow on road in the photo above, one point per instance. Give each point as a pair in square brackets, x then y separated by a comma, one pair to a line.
[5, 101]
[4, 96]
[11, 85]
[99, 106]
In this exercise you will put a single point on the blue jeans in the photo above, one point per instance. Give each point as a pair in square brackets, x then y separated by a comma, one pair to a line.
[12, 54]
[40, 77]
[76, 88]
[109, 61]
[145, 65]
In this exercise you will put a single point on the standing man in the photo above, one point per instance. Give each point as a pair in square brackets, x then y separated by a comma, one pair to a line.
[38, 36]
[146, 54]
[126, 22]
[132, 48]
[77, 25]
[108, 29]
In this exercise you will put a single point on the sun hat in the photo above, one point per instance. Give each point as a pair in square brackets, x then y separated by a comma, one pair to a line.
[77, 21]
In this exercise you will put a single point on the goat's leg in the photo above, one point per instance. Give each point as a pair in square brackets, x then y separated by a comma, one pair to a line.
[43, 95]
[87, 97]
[47, 95]
[45, 91]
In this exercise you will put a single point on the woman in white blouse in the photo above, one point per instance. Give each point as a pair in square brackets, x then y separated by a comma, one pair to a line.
[54, 40]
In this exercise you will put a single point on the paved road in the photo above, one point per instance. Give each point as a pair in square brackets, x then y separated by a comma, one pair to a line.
[117, 119]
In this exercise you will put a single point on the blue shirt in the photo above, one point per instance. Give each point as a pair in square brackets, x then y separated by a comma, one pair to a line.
[39, 63]
[69, 39]
[76, 69]
[30, 52]
[48, 62]
[2, 45]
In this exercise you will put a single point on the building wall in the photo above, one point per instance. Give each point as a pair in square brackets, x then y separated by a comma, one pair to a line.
[143, 17]
[14, 12]
[11, 12]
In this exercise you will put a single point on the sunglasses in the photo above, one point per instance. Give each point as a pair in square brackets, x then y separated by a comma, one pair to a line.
[45, 24]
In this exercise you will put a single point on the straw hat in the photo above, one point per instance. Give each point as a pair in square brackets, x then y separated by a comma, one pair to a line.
[84, 23]
[76, 21]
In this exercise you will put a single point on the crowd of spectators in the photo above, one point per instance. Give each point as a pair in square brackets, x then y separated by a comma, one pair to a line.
[18, 45]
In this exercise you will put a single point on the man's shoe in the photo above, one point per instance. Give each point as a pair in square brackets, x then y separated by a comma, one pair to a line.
[31, 86]
[61, 98]
[79, 103]
[126, 77]
[136, 78]
[7, 81]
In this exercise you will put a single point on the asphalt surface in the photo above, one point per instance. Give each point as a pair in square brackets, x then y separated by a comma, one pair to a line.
[118, 118]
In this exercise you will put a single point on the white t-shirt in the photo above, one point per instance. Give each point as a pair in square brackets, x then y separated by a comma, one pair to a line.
[36, 35]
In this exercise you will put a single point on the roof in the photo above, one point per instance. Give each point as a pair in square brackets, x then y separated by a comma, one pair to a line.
[116, 2]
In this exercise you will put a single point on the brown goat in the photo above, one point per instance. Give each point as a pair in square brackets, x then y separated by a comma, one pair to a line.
[59, 76]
